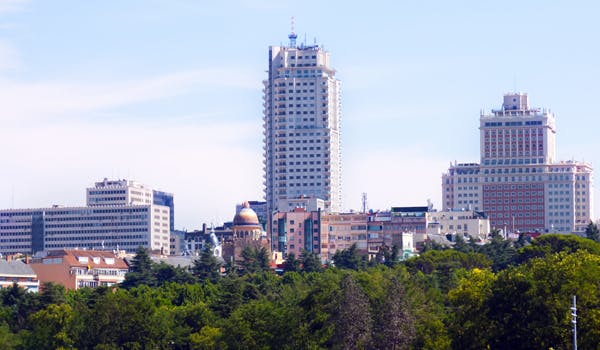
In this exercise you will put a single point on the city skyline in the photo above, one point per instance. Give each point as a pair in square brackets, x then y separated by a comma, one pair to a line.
[169, 93]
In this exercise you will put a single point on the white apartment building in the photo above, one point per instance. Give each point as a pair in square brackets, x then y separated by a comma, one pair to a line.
[301, 126]
[112, 225]
[118, 192]
[519, 184]
[468, 223]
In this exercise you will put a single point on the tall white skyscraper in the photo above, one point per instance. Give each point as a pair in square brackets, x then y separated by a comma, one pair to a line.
[301, 126]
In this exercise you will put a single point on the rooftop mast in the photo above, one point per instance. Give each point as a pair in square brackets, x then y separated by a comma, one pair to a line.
[293, 35]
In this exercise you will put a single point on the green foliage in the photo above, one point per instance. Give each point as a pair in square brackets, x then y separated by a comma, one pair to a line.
[50, 328]
[546, 245]
[395, 324]
[207, 267]
[8, 340]
[144, 272]
[311, 262]
[388, 256]
[443, 299]
[255, 260]
[140, 270]
[51, 293]
[18, 304]
[350, 259]
[592, 232]
[353, 322]
[291, 264]
[469, 326]
[441, 265]
[208, 338]
[500, 251]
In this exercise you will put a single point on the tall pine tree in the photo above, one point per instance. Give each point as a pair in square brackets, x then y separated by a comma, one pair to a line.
[353, 322]
[395, 326]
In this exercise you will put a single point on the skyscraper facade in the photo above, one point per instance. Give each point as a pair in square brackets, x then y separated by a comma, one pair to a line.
[301, 126]
[519, 183]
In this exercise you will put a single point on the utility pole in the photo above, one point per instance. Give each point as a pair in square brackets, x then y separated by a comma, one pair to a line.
[574, 321]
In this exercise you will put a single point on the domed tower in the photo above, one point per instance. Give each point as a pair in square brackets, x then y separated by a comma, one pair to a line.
[246, 224]
[247, 232]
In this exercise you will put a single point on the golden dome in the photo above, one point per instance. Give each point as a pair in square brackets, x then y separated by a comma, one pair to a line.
[246, 216]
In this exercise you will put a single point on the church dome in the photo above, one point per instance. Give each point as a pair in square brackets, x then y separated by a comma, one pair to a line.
[246, 216]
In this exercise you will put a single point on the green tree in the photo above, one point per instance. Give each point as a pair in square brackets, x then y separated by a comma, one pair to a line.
[126, 319]
[350, 259]
[52, 293]
[461, 245]
[592, 232]
[311, 262]
[291, 264]
[388, 256]
[500, 251]
[140, 270]
[50, 328]
[208, 338]
[549, 244]
[165, 273]
[353, 322]
[8, 340]
[207, 266]
[468, 323]
[395, 325]
[529, 305]
[20, 304]
[440, 266]
[255, 260]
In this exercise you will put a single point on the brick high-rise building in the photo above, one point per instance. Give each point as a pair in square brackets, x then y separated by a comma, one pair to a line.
[519, 183]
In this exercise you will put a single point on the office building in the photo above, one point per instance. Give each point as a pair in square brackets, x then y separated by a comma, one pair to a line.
[519, 183]
[301, 126]
[124, 220]
[129, 192]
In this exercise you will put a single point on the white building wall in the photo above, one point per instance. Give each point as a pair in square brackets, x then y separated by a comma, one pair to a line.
[111, 226]
[301, 123]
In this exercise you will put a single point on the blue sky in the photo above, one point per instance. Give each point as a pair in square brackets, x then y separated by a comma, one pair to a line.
[169, 92]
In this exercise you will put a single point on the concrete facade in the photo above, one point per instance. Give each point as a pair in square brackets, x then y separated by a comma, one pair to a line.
[114, 224]
[468, 223]
[301, 126]
[519, 184]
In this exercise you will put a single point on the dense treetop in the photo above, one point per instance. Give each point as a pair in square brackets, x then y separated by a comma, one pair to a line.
[494, 296]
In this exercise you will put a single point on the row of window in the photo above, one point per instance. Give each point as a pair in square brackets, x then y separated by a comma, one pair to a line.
[97, 192]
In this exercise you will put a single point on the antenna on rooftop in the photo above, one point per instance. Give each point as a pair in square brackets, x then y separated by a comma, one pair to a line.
[364, 202]
[293, 35]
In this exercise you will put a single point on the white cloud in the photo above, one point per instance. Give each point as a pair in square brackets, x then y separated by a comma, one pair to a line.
[44, 100]
[12, 5]
[208, 167]
[9, 57]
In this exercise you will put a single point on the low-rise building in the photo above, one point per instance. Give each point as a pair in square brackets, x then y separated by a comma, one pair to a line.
[16, 271]
[468, 223]
[297, 231]
[75, 269]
